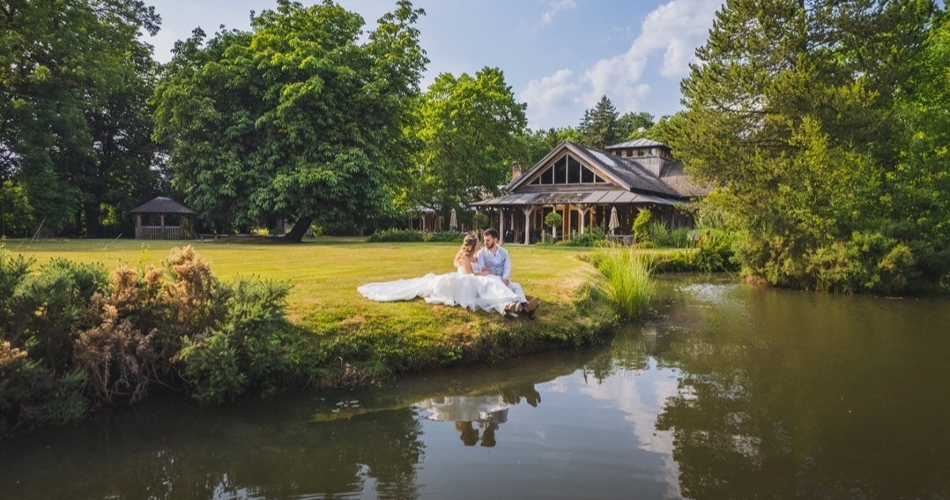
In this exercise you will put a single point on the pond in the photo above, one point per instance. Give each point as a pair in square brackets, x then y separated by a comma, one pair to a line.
[725, 391]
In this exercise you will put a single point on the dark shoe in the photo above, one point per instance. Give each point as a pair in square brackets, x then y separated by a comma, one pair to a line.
[531, 307]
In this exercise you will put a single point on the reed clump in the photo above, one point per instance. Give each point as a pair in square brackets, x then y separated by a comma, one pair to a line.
[628, 281]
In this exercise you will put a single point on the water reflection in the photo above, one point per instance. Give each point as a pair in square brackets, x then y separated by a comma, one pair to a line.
[725, 391]
[791, 395]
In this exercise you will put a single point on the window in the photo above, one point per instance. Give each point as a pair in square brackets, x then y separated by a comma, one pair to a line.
[560, 171]
[573, 171]
[586, 175]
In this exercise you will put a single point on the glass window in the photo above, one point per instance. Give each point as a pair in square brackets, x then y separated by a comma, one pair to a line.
[536, 181]
[573, 171]
[598, 179]
[560, 171]
[548, 176]
[586, 175]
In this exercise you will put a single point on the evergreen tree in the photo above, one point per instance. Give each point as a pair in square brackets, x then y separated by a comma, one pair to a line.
[791, 112]
[599, 126]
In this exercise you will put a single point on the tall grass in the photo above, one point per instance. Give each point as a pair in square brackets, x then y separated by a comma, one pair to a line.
[628, 282]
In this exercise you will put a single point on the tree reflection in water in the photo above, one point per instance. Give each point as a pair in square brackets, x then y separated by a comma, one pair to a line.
[790, 395]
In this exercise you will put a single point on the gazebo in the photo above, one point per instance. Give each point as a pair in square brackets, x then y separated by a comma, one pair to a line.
[157, 210]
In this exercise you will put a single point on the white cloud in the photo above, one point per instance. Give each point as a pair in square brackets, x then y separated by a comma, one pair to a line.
[676, 28]
[556, 7]
[548, 95]
[672, 32]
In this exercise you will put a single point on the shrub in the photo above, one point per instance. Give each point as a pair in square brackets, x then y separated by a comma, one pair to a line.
[590, 238]
[70, 337]
[445, 237]
[641, 226]
[396, 236]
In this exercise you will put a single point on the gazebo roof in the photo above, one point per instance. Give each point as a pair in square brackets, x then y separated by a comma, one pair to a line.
[163, 205]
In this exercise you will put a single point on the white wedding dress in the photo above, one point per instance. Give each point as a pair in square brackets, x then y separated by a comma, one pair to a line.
[487, 293]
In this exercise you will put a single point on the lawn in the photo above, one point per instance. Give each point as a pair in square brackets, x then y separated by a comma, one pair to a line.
[325, 272]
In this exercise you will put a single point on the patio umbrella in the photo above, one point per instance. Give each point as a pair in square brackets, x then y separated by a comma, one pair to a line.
[614, 221]
[453, 220]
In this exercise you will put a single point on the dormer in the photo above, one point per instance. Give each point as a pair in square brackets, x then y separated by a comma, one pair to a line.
[641, 148]
[649, 154]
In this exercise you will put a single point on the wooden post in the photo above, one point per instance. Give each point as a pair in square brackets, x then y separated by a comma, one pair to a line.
[582, 213]
[527, 224]
[501, 223]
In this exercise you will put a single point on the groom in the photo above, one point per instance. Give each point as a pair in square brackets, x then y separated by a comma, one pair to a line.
[495, 258]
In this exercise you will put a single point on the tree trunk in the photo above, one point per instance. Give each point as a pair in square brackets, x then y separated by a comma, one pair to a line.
[295, 235]
[93, 218]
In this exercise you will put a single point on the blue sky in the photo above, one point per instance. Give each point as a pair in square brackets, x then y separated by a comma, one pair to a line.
[558, 56]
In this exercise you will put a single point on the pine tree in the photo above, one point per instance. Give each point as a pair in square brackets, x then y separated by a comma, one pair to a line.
[791, 112]
[599, 126]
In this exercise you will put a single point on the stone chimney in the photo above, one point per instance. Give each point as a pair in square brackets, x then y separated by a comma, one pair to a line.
[515, 170]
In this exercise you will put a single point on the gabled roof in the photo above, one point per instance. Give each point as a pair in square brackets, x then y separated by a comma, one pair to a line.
[622, 172]
[639, 143]
[163, 205]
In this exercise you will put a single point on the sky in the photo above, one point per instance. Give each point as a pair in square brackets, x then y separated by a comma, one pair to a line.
[558, 56]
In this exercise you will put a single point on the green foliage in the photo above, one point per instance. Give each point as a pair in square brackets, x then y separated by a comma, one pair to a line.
[302, 118]
[634, 125]
[396, 236]
[554, 221]
[600, 125]
[641, 226]
[803, 140]
[590, 238]
[211, 365]
[628, 282]
[471, 130]
[71, 338]
[480, 221]
[446, 237]
[16, 213]
[74, 79]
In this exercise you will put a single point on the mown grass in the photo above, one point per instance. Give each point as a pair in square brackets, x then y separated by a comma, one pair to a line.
[384, 337]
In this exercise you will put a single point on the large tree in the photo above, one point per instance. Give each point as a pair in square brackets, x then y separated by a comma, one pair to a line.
[74, 125]
[791, 112]
[299, 119]
[634, 125]
[471, 130]
[599, 126]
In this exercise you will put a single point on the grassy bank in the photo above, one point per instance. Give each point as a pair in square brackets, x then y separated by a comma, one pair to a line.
[361, 339]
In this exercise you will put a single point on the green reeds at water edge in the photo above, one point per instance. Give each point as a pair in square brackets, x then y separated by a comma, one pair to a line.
[627, 280]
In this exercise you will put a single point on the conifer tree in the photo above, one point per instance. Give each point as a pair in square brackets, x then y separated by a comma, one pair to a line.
[599, 125]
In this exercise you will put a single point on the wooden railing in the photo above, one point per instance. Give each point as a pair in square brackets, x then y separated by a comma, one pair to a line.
[161, 233]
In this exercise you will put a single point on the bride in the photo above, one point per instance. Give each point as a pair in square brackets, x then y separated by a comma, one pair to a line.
[472, 286]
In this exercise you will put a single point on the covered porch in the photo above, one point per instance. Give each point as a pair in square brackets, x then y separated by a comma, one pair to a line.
[519, 218]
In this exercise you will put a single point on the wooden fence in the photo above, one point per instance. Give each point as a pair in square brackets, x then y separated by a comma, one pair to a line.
[161, 233]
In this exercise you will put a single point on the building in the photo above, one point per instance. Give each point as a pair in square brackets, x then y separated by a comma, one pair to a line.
[593, 188]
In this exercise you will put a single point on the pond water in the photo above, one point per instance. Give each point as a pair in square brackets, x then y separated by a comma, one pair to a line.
[725, 391]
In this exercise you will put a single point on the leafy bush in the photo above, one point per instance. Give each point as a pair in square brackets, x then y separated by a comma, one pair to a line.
[445, 237]
[590, 238]
[396, 236]
[71, 339]
[641, 226]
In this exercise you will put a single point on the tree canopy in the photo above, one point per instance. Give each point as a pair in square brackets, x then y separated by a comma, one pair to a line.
[471, 130]
[298, 119]
[76, 129]
[599, 126]
[793, 112]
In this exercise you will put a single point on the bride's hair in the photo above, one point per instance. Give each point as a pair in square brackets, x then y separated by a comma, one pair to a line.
[468, 248]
